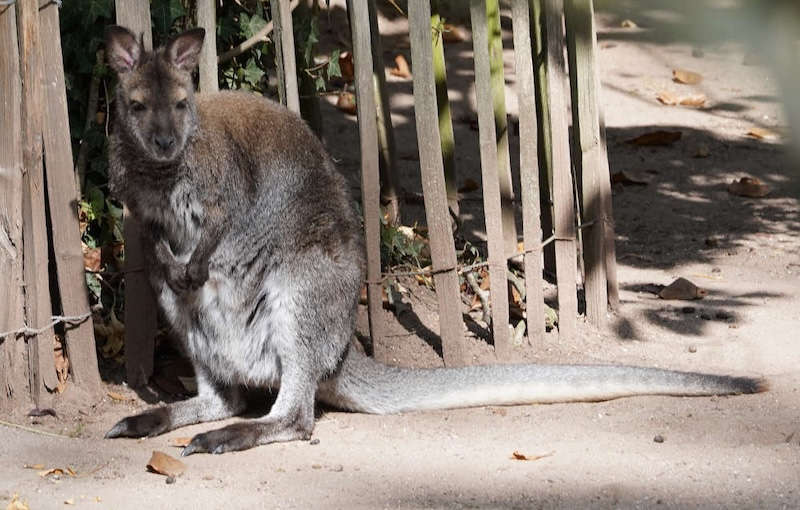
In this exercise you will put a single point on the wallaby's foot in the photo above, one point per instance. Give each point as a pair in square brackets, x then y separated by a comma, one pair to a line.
[246, 435]
[149, 423]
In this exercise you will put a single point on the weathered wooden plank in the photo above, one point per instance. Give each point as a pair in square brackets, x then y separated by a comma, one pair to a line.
[284, 54]
[207, 19]
[610, 249]
[62, 197]
[563, 199]
[140, 307]
[388, 161]
[38, 310]
[490, 166]
[586, 139]
[497, 65]
[370, 171]
[13, 372]
[528, 170]
[451, 324]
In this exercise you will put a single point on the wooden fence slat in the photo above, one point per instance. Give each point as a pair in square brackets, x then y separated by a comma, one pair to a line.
[528, 170]
[451, 324]
[610, 249]
[207, 18]
[140, 306]
[370, 172]
[563, 199]
[491, 182]
[586, 137]
[13, 375]
[34, 226]
[498, 99]
[284, 54]
[62, 196]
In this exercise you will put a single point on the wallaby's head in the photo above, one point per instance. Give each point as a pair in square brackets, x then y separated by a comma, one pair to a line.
[155, 95]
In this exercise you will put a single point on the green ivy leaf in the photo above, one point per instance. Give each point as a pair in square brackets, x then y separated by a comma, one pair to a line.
[333, 64]
[252, 73]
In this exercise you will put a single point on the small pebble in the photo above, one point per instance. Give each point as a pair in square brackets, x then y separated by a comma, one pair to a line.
[338, 468]
[170, 480]
[688, 309]
[705, 316]
[314, 442]
[659, 438]
[716, 270]
[692, 349]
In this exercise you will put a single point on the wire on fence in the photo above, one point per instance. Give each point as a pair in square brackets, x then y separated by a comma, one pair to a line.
[55, 319]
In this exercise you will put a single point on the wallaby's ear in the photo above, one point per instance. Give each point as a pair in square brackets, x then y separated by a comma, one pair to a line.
[183, 50]
[122, 49]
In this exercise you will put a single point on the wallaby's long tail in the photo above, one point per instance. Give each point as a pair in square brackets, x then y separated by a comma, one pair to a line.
[363, 385]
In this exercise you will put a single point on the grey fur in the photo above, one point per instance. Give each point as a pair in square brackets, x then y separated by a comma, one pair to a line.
[257, 261]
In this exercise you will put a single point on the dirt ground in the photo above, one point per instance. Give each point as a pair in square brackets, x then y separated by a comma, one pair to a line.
[737, 452]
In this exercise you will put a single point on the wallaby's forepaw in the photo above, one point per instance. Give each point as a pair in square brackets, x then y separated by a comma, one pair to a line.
[150, 423]
[239, 436]
[186, 278]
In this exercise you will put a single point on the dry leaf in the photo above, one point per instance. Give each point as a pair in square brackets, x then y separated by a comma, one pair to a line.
[696, 100]
[180, 441]
[626, 180]
[670, 99]
[163, 464]
[62, 366]
[761, 133]
[520, 456]
[16, 504]
[346, 66]
[69, 501]
[117, 396]
[750, 187]
[469, 186]
[37, 467]
[347, 103]
[57, 471]
[92, 259]
[628, 24]
[682, 289]
[656, 138]
[401, 68]
[453, 34]
[687, 77]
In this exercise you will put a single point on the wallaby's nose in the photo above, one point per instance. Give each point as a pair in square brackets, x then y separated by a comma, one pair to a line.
[164, 142]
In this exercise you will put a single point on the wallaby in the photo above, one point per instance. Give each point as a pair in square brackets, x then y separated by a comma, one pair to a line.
[257, 261]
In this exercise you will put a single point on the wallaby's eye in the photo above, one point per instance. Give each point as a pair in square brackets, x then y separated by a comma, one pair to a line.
[181, 105]
[137, 107]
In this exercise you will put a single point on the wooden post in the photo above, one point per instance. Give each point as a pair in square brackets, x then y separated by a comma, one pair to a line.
[140, 307]
[586, 137]
[563, 199]
[610, 249]
[528, 171]
[62, 197]
[14, 382]
[446, 134]
[388, 162]
[544, 136]
[38, 307]
[498, 99]
[491, 182]
[370, 178]
[443, 253]
[207, 18]
[284, 54]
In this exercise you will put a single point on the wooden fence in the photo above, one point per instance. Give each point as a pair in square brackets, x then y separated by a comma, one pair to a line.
[542, 29]
[39, 231]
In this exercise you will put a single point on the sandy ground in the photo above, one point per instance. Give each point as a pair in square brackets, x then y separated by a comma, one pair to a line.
[738, 452]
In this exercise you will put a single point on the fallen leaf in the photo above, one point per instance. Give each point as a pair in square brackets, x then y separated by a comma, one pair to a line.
[37, 467]
[469, 186]
[682, 289]
[61, 365]
[346, 66]
[69, 501]
[686, 77]
[347, 103]
[761, 133]
[56, 472]
[453, 34]
[117, 396]
[180, 441]
[164, 464]
[626, 180]
[628, 24]
[92, 259]
[16, 504]
[520, 456]
[656, 138]
[401, 68]
[750, 187]
[670, 99]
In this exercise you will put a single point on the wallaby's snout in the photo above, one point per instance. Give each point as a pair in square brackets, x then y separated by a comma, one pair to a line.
[164, 143]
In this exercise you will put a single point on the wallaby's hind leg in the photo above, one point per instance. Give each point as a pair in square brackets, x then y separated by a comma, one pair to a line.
[291, 418]
[214, 401]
